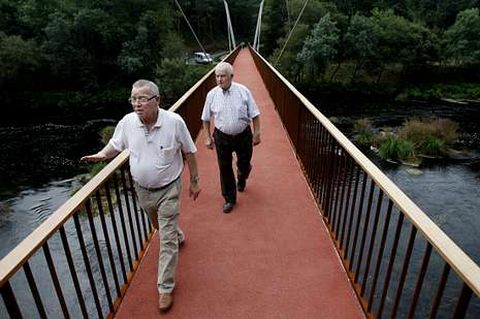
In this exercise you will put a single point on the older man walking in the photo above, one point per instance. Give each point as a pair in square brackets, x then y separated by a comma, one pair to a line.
[156, 139]
[233, 109]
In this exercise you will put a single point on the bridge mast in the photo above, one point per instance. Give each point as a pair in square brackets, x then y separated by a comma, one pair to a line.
[231, 37]
[256, 40]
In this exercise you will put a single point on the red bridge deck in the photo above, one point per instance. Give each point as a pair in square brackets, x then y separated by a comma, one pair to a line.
[272, 257]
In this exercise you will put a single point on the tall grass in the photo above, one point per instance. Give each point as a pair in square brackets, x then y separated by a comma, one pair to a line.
[431, 137]
[364, 130]
[394, 148]
[419, 130]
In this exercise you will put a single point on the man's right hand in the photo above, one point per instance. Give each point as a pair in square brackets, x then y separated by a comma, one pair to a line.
[94, 157]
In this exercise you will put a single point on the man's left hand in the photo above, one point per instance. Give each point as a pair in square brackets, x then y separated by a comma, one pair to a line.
[256, 139]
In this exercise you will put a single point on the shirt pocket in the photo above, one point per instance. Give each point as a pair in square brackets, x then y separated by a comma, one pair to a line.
[242, 110]
[166, 155]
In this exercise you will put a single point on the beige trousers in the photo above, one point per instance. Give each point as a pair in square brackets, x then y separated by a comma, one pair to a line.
[162, 208]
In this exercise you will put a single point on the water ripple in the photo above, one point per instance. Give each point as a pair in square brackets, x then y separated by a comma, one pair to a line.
[41, 211]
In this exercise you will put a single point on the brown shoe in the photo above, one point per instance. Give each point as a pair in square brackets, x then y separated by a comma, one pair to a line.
[165, 301]
[181, 239]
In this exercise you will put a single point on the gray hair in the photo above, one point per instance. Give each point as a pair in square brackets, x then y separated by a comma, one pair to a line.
[224, 67]
[146, 83]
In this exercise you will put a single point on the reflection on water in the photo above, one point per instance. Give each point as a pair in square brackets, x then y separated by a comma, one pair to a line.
[35, 155]
[29, 209]
[37, 169]
[450, 196]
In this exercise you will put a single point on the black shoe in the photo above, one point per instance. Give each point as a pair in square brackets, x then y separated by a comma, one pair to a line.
[241, 184]
[227, 207]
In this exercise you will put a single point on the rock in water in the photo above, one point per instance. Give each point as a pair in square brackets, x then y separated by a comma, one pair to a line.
[414, 171]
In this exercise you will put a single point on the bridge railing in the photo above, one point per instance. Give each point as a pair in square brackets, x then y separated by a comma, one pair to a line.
[400, 263]
[80, 261]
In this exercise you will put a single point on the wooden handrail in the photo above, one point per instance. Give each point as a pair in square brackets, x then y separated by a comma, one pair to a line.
[189, 104]
[23, 251]
[464, 266]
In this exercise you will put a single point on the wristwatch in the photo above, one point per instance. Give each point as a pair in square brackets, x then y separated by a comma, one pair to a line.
[194, 179]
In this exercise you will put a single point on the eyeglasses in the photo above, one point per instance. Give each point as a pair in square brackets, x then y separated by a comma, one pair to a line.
[140, 99]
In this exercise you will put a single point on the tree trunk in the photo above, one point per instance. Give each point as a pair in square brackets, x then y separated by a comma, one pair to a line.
[354, 74]
[358, 66]
[380, 74]
[335, 71]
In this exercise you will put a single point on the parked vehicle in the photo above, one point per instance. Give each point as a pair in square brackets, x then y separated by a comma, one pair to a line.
[202, 58]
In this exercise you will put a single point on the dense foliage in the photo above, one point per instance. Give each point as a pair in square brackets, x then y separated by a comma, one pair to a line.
[372, 41]
[72, 57]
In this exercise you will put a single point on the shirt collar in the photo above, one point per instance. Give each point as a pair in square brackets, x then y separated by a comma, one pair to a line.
[158, 123]
[228, 90]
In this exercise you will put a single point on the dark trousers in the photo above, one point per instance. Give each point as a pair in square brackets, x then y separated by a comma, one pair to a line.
[225, 145]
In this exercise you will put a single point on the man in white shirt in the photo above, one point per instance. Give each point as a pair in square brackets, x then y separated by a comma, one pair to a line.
[233, 108]
[156, 139]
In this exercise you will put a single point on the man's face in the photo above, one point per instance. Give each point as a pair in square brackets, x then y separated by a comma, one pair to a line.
[223, 80]
[144, 103]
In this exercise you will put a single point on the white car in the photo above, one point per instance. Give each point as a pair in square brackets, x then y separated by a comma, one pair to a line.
[202, 58]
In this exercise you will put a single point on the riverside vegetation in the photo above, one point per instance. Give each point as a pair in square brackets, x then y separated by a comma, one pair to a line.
[414, 141]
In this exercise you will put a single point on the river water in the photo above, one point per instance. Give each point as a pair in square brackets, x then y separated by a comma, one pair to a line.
[449, 191]
[39, 170]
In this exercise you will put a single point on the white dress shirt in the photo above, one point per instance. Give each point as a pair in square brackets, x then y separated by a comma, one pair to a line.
[232, 109]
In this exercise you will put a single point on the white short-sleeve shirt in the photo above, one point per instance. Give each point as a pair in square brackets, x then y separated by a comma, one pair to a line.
[155, 156]
[232, 109]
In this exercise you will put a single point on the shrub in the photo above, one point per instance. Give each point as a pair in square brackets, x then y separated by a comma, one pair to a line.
[106, 133]
[447, 130]
[433, 146]
[418, 131]
[363, 128]
[394, 148]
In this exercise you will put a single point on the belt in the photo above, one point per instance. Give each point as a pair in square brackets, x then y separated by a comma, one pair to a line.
[155, 189]
[232, 135]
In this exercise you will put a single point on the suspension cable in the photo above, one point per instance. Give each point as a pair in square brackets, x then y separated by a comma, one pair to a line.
[190, 26]
[291, 31]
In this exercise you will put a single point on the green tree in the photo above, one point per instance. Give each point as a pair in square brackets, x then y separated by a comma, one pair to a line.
[155, 39]
[69, 62]
[274, 24]
[320, 46]
[352, 7]
[462, 40]
[32, 16]
[401, 41]
[361, 41]
[19, 58]
[285, 55]
[288, 64]
[174, 78]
